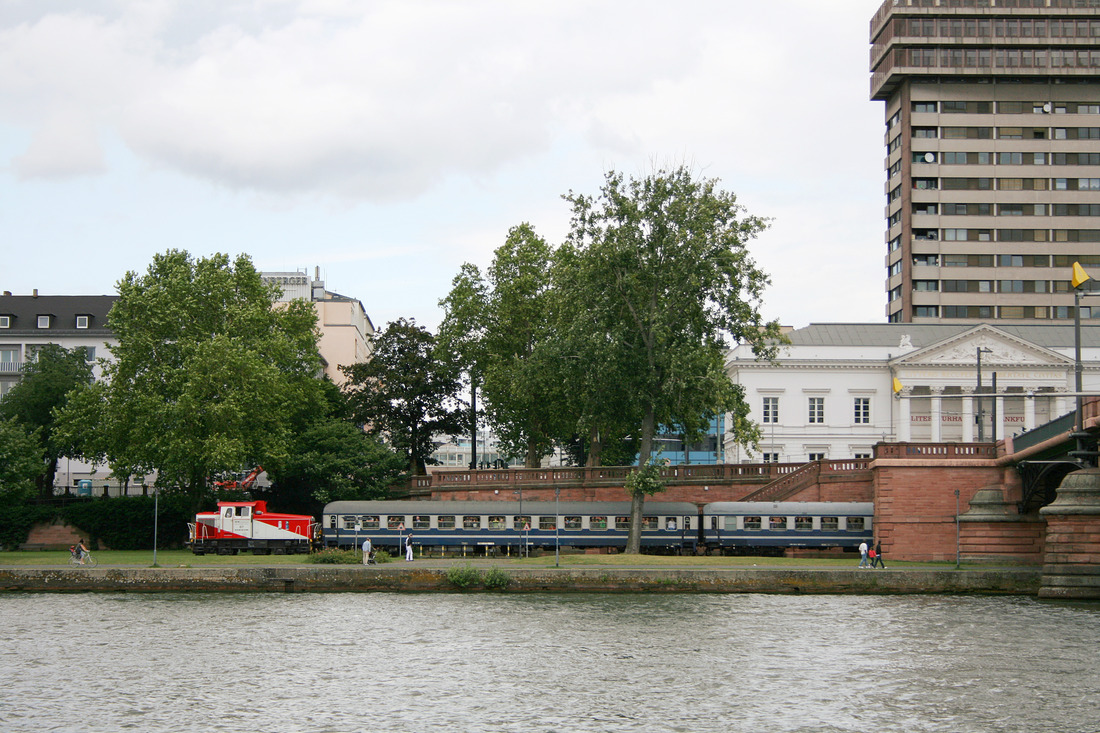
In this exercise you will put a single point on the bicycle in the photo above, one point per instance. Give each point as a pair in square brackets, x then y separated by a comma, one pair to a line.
[89, 561]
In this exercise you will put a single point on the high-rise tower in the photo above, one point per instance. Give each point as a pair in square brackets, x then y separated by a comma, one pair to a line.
[992, 156]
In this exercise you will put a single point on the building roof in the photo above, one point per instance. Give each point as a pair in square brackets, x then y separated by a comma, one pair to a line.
[1050, 336]
[24, 310]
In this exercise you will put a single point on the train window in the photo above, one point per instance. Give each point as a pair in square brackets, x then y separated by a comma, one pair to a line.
[549, 523]
[446, 521]
[752, 522]
[332, 521]
[830, 524]
[651, 522]
[471, 522]
[572, 522]
[804, 524]
[622, 522]
[421, 521]
[395, 521]
[349, 521]
[496, 522]
[597, 522]
[855, 524]
[370, 521]
[521, 522]
[776, 523]
[671, 523]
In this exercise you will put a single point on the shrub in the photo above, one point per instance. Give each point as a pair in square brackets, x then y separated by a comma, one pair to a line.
[463, 576]
[334, 556]
[497, 579]
[381, 556]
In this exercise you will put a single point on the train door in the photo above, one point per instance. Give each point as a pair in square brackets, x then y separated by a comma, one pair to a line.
[242, 521]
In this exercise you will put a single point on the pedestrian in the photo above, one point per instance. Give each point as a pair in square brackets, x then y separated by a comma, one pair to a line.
[408, 548]
[366, 551]
[863, 554]
[878, 562]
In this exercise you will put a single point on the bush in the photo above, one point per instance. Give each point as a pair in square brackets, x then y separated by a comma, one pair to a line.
[497, 579]
[334, 556]
[463, 576]
[381, 556]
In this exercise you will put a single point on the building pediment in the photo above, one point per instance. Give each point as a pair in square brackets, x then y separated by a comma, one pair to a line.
[1005, 352]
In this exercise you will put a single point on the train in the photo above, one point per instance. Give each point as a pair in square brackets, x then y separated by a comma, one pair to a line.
[248, 525]
[491, 527]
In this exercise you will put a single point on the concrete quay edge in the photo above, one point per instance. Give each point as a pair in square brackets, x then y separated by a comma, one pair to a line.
[401, 578]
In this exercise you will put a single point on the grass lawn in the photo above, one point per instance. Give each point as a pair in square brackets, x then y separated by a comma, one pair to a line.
[184, 558]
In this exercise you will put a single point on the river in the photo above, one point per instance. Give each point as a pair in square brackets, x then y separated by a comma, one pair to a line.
[540, 662]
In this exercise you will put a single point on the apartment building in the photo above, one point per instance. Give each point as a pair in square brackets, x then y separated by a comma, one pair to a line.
[992, 166]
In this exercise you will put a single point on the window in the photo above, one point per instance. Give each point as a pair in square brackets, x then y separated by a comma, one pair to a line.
[771, 410]
[446, 521]
[862, 410]
[752, 523]
[817, 410]
[855, 524]
[803, 524]
[830, 524]
[421, 521]
[82, 321]
[622, 522]
[5, 321]
[43, 321]
[815, 457]
[924, 106]
[597, 522]
[572, 522]
[8, 356]
[925, 311]
[926, 285]
[925, 260]
[471, 521]
[925, 132]
[349, 519]
[777, 523]
[770, 457]
[496, 521]
[519, 522]
[395, 521]
[651, 523]
[547, 523]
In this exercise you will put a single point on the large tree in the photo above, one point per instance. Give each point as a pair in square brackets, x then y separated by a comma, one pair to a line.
[209, 375]
[47, 381]
[20, 461]
[405, 393]
[461, 338]
[661, 264]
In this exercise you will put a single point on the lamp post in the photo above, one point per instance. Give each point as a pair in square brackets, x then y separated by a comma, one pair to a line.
[523, 522]
[156, 521]
[1081, 453]
[557, 512]
[981, 423]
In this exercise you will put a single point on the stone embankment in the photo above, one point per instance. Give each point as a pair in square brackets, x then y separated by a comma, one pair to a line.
[1023, 581]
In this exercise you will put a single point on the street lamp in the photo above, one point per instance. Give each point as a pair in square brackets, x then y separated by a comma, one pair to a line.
[557, 513]
[981, 423]
[1083, 456]
[523, 521]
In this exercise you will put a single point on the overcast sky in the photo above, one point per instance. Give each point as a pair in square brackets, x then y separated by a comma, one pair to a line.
[389, 142]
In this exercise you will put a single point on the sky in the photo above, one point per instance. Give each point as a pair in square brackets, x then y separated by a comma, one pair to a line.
[387, 143]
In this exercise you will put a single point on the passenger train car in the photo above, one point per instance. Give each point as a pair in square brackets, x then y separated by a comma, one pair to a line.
[493, 525]
[742, 527]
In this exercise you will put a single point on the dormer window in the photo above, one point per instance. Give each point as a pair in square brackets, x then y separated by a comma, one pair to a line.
[5, 321]
[43, 321]
[83, 321]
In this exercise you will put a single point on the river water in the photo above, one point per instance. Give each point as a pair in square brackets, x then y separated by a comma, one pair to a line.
[533, 663]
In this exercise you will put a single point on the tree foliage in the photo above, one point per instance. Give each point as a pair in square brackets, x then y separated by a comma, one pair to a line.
[405, 393]
[47, 380]
[208, 375]
[21, 456]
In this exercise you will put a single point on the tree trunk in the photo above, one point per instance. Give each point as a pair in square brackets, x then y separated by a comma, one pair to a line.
[637, 501]
[473, 424]
[533, 460]
[595, 448]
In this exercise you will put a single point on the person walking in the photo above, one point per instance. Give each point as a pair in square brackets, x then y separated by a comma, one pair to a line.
[863, 555]
[877, 562]
[408, 548]
[366, 551]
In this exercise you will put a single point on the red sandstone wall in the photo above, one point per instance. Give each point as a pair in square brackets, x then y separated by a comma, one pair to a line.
[915, 506]
[1009, 541]
[53, 537]
[1072, 539]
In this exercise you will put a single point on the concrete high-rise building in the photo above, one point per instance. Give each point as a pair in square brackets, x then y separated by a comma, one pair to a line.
[992, 156]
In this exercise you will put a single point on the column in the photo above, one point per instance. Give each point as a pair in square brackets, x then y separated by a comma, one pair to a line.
[1000, 430]
[1029, 411]
[968, 414]
[904, 418]
[1059, 404]
[936, 415]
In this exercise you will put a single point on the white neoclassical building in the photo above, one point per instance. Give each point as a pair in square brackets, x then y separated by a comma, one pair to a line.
[831, 393]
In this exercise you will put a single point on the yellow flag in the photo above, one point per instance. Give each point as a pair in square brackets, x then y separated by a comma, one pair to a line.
[1079, 275]
[897, 385]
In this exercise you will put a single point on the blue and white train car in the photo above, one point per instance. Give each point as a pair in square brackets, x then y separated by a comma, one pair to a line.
[739, 526]
[493, 525]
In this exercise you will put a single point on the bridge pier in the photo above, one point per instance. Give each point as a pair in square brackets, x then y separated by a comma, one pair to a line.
[1071, 563]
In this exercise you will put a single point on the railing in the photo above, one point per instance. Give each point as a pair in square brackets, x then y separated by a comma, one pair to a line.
[11, 367]
[936, 450]
[807, 475]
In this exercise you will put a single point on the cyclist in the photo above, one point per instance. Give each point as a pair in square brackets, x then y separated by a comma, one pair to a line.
[81, 551]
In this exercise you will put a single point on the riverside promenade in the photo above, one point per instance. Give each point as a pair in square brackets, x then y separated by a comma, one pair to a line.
[503, 576]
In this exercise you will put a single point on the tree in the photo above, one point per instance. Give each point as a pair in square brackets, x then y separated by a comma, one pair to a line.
[405, 394]
[208, 376]
[21, 457]
[43, 390]
[662, 266]
[461, 339]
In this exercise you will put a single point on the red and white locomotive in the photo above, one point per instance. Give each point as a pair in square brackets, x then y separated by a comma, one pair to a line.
[247, 525]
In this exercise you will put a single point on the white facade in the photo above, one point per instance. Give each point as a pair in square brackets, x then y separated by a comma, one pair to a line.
[830, 393]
